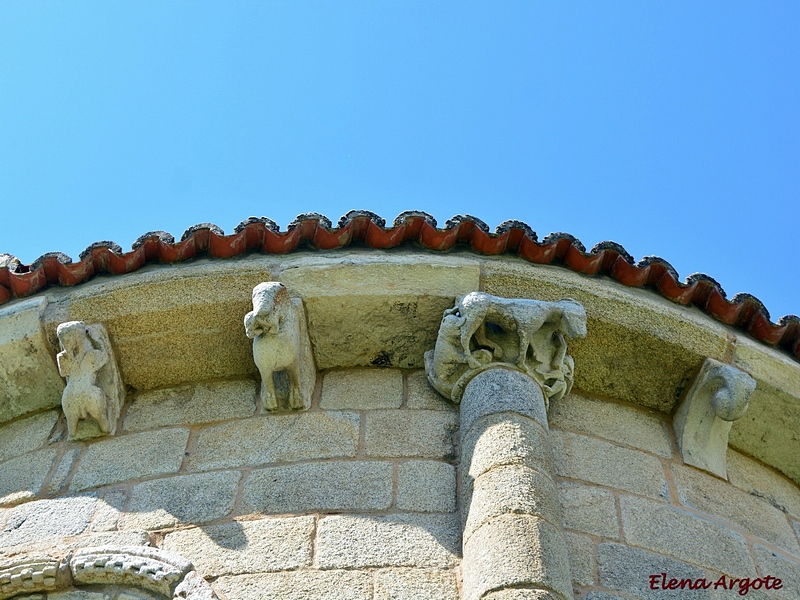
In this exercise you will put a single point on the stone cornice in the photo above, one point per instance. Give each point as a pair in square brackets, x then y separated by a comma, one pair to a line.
[183, 323]
[358, 227]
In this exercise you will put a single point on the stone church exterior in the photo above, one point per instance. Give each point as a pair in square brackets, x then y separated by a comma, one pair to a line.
[410, 412]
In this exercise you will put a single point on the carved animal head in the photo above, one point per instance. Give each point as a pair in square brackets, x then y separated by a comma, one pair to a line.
[73, 336]
[573, 319]
[271, 301]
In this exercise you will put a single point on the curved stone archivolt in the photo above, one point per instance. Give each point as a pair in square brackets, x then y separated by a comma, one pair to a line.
[165, 574]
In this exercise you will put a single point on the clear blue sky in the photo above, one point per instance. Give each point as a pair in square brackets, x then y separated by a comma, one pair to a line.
[672, 128]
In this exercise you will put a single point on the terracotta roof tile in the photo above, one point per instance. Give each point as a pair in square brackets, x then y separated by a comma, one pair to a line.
[260, 234]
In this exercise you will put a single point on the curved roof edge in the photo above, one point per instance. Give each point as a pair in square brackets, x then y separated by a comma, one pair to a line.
[260, 234]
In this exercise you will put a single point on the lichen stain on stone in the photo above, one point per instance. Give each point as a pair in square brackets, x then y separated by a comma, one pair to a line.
[382, 359]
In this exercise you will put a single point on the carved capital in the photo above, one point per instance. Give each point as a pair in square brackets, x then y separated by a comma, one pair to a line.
[719, 395]
[281, 346]
[483, 331]
[94, 394]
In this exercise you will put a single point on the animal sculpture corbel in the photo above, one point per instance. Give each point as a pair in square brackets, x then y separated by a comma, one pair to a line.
[277, 326]
[526, 317]
[482, 330]
[94, 394]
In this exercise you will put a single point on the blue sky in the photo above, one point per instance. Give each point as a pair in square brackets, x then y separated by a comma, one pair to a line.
[671, 128]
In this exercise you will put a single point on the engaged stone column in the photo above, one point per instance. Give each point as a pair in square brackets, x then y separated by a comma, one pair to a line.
[502, 360]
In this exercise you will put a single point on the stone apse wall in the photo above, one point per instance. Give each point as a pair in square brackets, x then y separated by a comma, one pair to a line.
[383, 488]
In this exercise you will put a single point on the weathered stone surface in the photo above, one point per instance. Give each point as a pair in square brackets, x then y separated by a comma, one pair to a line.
[650, 346]
[581, 558]
[81, 595]
[43, 520]
[105, 538]
[588, 459]
[22, 478]
[511, 489]
[276, 438]
[25, 435]
[64, 468]
[29, 379]
[322, 486]
[174, 324]
[627, 570]
[417, 433]
[191, 499]
[771, 563]
[768, 430]
[422, 395]
[200, 403]
[356, 542]
[515, 550]
[194, 587]
[109, 509]
[426, 486]
[130, 457]
[298, 585]
[522, 594]
[362, 389]
[640, 428]
[520, 395]
[246, 546]
[762, 482]
[415, 584]
[754, 515]
[589, 509]
[505, 439]
[668, 530]
[391, 303]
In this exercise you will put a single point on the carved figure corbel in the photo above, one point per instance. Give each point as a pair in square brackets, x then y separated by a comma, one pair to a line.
[93, 396]
[277, 326]
[483, 330]
[719, 395]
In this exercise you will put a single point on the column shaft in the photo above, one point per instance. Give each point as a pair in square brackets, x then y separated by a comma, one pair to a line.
[509, 504]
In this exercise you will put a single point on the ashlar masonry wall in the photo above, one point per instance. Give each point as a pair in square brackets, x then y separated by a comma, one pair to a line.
[632, 509]
[356, 498]
[353, 499]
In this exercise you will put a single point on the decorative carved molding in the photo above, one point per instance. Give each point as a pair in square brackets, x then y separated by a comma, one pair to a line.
[94, 394]
[719, 395]
[277, 326]
[142, 567]
[29, 573]
[483, 331]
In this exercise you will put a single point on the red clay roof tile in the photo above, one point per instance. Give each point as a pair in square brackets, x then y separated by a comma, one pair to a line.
[260, 234]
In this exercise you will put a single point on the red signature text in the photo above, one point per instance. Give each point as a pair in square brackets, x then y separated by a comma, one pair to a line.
[662, 582]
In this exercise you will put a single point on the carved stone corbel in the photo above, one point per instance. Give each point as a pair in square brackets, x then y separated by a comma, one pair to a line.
[719, 395]
[277, 326]
[483, 331]
[94, 394]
